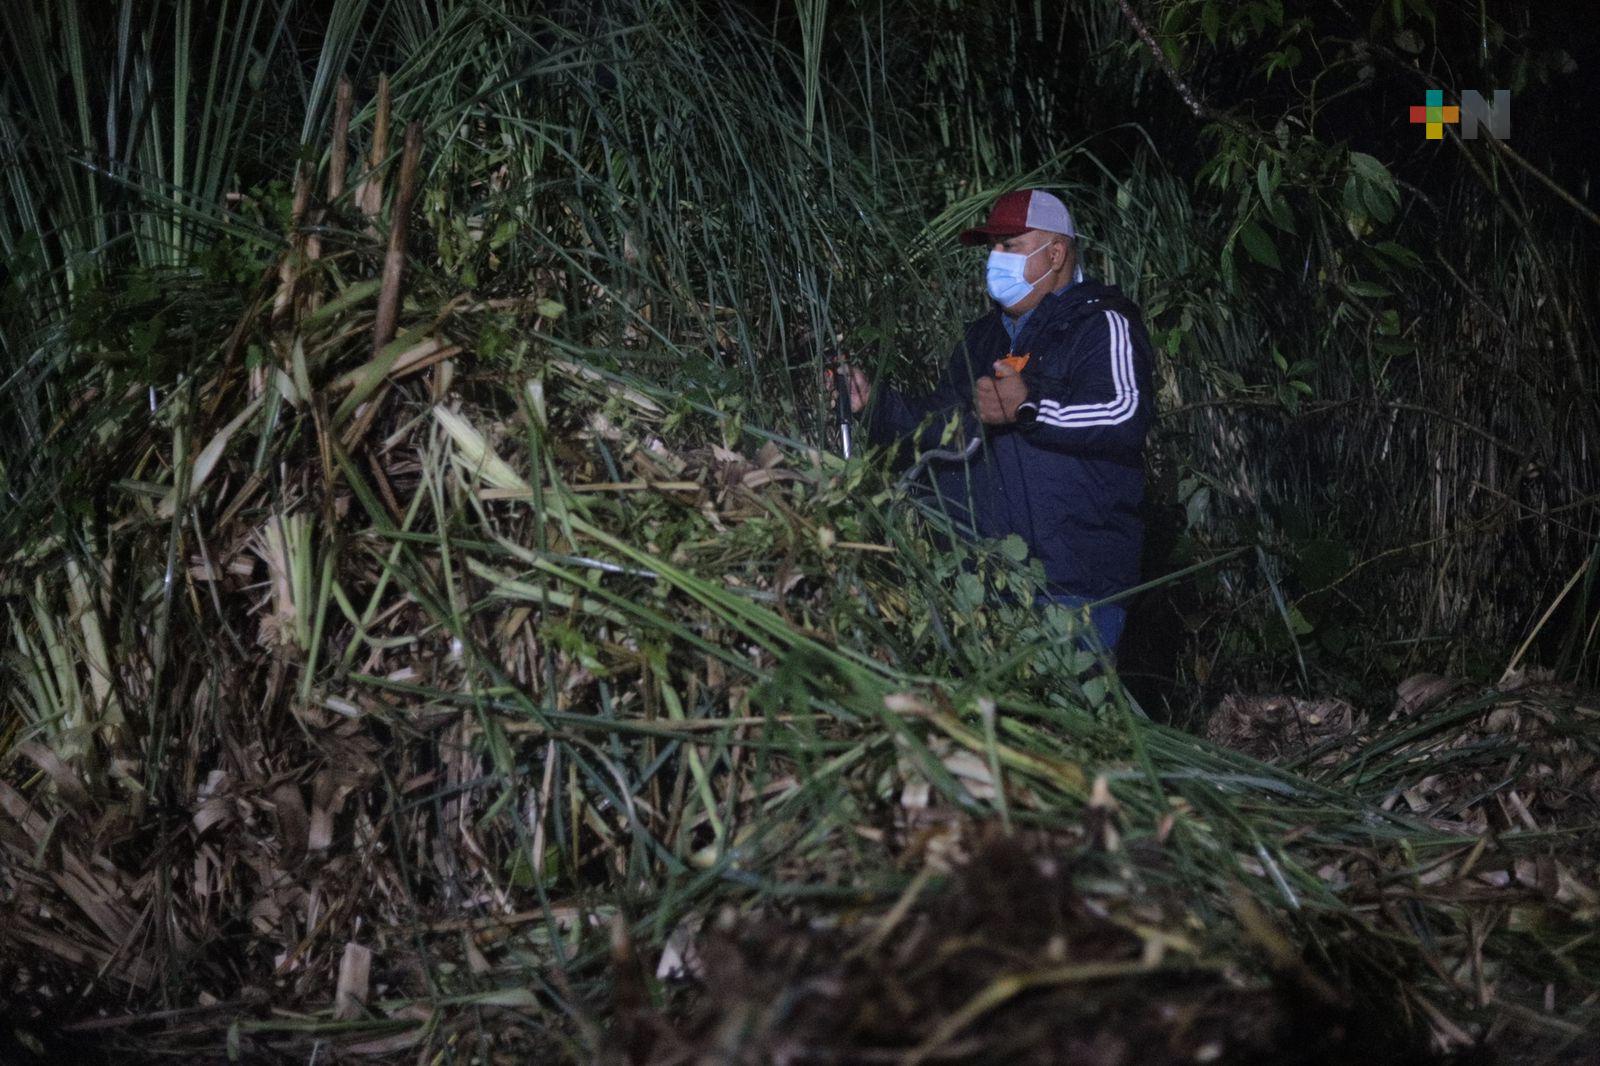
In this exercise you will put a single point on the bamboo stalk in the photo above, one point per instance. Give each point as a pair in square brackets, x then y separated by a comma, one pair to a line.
[338, 166]
[289, 266]
[339, 158]
[395, 260]
[370, 195]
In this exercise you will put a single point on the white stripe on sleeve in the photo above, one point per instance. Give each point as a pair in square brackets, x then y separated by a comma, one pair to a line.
[1122, 405]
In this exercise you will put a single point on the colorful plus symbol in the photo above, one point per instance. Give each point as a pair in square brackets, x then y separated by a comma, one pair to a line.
[1434, 115]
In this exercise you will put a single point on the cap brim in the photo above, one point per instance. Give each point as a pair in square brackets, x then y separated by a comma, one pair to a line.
[989, 234]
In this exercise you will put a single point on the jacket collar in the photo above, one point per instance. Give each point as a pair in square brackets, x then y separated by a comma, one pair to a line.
[1014, 325]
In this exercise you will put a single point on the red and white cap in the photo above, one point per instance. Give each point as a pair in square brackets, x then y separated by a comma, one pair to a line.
[1019, 211]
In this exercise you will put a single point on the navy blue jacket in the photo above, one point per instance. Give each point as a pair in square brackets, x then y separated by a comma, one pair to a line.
[1070, 483]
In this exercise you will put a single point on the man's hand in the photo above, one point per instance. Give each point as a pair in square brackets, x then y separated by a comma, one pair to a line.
[860, 387]
[997, 398]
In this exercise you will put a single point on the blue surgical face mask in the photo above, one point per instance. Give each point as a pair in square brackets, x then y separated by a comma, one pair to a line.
[1006, 281]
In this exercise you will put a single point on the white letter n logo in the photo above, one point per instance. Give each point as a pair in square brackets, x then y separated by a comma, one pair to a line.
[1475, 110]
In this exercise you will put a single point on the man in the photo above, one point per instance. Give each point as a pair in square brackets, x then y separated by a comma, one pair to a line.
[1055, 382]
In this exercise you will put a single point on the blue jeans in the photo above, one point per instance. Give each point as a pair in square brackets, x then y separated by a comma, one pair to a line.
[1107, 619]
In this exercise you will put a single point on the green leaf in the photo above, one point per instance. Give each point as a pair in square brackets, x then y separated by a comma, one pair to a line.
[365, 379]
[352, 295]
[1378, 203]
[969, 592]
[1371, 189]
[1259, 245]
[1173, 48]
[1399, 253]
[1285, 59]
[1368, 288]
[503, 233]
[549, 308]
[1229, 269]
[1282, 215]
[1352, 196]
[1366, 166]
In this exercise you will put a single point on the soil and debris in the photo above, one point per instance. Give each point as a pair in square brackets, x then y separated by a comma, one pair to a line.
[1033, 951]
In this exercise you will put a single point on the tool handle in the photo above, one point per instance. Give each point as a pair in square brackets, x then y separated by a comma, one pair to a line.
[841, 392]
[841, 400]
[839, 368]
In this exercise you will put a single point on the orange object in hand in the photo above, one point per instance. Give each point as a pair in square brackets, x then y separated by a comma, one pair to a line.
[1014, 362]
